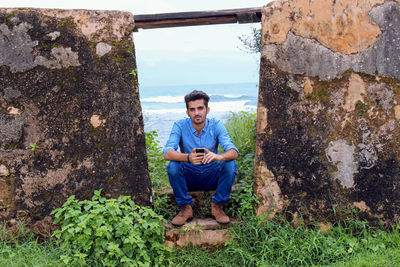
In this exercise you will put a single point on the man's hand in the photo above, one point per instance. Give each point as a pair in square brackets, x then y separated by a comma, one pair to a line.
[196, 158]
[211, 156]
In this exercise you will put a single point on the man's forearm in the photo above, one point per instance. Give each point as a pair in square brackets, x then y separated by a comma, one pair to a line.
[175, 156]
[231, 154]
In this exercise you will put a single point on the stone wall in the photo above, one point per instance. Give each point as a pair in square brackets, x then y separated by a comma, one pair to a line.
[328, 134]
[70, 116]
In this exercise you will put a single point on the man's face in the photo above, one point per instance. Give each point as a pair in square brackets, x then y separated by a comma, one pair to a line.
[197, 111]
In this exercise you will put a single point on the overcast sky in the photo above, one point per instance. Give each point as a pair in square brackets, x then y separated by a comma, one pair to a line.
[183, 55]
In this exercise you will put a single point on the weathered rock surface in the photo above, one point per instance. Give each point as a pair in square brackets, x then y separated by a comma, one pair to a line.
[305, 54]
[328, 135]
[342, 26]
[11, 128]
[70, 116]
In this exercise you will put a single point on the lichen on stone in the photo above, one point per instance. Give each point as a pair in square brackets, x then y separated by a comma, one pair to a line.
[11, 129]
[96, 121]
[60, 58]
[4, 171]
[16, 51]
[11, 94]
[102, 49]
[16, 47]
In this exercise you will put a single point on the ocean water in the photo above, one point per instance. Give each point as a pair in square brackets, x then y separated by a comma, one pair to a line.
[163, 105]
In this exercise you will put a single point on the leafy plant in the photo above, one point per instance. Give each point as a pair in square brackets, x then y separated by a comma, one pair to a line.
[363, 107]
[110, 232]
[33, 146]
[157, 164]
[63, 23]
[133, 72]
[252, 42]
[164, 206]
[311, 96]
[242, 201]
[242, 130]
[241, 127]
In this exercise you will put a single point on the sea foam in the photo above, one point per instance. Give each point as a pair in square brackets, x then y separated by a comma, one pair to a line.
[227, 106]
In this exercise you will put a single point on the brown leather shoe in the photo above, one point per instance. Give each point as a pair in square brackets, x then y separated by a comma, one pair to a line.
[218, 213]
[185, 215]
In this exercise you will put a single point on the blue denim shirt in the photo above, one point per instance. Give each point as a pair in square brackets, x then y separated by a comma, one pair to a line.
[185, 135]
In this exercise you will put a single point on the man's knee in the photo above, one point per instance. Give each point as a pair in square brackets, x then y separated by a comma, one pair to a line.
[230, 168]
[173, 169]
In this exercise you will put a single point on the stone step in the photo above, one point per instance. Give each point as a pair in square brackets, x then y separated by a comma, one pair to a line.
[204, 232]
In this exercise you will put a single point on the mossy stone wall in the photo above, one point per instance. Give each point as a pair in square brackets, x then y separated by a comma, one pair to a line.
[328, 131]
[70, 115]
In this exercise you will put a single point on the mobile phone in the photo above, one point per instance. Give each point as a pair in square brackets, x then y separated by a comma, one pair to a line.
[199, 150]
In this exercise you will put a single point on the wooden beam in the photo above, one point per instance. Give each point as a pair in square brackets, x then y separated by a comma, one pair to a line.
[163, 20]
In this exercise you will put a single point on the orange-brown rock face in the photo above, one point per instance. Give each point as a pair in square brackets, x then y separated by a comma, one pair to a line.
[328, 133]
[70, 116]
[342, 26]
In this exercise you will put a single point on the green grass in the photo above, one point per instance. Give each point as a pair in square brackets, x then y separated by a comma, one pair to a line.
[388, 257]
[241, 127]
[255, 242]
[29, 253]
[258, 242]
[25, 249]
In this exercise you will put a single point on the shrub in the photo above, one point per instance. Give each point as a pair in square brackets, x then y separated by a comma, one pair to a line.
[157, 164]
[110, 232]
[241, 127]
[252, 42]
[158, 174]
[242, 130]
[242, 201]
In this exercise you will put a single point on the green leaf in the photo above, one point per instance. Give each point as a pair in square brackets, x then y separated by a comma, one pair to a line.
[133, 72]
[33, 146]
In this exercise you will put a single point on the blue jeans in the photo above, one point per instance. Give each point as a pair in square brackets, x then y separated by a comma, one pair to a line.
[217, 175]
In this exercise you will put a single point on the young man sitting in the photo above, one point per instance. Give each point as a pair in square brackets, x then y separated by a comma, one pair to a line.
[198, 166]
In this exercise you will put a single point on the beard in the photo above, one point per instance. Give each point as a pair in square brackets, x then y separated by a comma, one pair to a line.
[198, 121]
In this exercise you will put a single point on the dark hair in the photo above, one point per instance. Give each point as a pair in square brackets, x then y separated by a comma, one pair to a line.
[196, 95]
